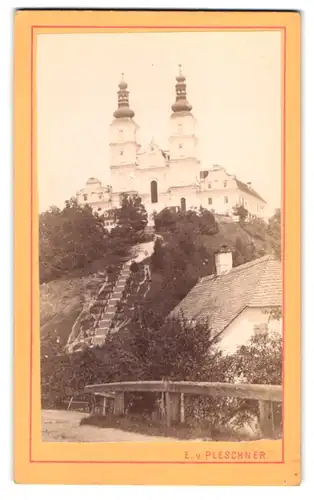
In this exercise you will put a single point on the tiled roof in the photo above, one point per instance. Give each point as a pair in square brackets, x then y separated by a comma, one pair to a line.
[222, 298]
[246, 189]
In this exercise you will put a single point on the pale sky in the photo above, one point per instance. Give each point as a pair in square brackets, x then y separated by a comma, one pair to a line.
[233, 84]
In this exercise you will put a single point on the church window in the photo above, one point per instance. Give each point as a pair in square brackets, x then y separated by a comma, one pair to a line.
[209, 185]
[121, 135]
[210, 201]
[85, 197]
[180, 128]
[225, 184]
[154, 192]
[183, 204]
[226, 199]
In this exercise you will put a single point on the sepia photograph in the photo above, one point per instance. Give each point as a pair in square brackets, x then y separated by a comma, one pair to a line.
[159, 178]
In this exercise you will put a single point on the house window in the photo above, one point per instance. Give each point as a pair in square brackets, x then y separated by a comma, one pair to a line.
[183, 204]
[121, 152]
[241, 201]
[180, 128]
[85, 197]
[225, 184]
[261, 208]
[100, 196]
[226, 199]
[245, 203]
[260, 329]
[210, 201]
[154, 192]
[180, 146]
[209, 185]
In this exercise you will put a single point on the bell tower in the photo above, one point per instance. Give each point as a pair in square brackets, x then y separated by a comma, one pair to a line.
[123, 142]
[182, 140]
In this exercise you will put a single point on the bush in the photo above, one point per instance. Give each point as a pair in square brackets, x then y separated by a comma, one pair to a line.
[134, 267]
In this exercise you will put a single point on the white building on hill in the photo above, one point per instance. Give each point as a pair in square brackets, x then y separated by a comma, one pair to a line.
[166, 177]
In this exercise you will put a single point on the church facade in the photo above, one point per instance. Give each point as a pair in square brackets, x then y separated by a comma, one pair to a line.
[171, 177]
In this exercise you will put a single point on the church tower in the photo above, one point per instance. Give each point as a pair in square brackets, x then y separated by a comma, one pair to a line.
[123, 143]
[183, 141]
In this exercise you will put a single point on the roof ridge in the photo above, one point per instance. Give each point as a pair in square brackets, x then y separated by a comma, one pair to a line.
[252, 263]
[241, 267]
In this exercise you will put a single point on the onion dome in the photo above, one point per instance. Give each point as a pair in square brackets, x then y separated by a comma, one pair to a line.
[124, 110]
[181, 103]
[92, 180]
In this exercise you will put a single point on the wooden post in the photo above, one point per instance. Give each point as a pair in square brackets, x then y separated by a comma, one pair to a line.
[266, 418]
[119, 403]
[182, 416]
[168, 409]
[175, 400]
[162, 407]
[104, 406]
[69, 405]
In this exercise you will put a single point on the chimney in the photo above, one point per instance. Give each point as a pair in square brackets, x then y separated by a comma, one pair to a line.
[223, 260]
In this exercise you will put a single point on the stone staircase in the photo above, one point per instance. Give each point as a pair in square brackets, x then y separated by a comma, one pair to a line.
[106, 319]
[114, 304]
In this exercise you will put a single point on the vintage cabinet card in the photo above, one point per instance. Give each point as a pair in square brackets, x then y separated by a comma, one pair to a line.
[157, 247]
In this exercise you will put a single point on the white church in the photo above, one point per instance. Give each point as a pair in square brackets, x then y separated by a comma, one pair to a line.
[171, 177]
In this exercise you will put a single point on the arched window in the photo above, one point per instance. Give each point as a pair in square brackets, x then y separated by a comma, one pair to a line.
[183, 204]
[154, 192]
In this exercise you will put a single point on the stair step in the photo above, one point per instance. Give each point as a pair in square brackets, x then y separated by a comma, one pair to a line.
[98, 341]
[104, 323]
[100, 332]
[109, 314]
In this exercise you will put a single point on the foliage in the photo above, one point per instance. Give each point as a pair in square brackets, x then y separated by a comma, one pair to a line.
[150, 348]
[258, 362]
[274, 230]
[241, 212]
[131, 218]
[180, 257]
[202, 220]
[243, 252]
[134, 267]
[69, 239]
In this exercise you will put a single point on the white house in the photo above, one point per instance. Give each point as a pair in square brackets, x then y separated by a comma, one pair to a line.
[163, 177]
[236, 300]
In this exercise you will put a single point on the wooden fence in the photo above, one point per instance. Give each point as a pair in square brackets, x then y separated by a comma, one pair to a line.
[172, 396]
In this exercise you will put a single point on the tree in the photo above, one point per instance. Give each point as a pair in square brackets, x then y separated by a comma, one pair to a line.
[243, 252]
[131, 218]
[274, 230]
[174, 347]
[69, 239]
[241, 212]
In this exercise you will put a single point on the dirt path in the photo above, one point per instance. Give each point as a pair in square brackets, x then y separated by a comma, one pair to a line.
[61, 425]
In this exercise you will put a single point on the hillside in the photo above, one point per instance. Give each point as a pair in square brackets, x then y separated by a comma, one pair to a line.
[62, 300]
